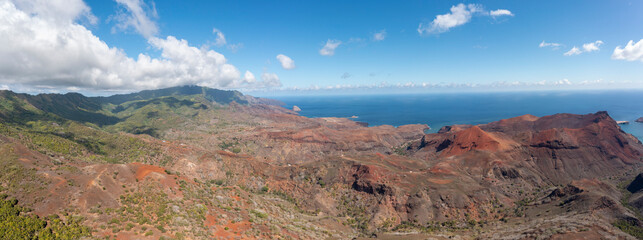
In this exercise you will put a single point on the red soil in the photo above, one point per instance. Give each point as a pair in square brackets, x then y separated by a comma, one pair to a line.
[475, 138]
[440, 181]
[235, 231]
[210, 220]
[143, 170]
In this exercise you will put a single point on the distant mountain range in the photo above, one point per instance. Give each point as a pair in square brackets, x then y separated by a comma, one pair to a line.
[75, 106]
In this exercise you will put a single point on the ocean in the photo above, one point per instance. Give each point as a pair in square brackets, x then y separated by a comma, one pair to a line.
[441, 109]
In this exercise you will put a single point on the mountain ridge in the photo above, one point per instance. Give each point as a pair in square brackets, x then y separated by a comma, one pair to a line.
[184, 166]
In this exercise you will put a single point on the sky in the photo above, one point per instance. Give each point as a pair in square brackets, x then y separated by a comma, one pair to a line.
[100, 47]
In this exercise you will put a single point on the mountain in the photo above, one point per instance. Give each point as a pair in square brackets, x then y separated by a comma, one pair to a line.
[198, 163]
[214, 95]
[96, 110]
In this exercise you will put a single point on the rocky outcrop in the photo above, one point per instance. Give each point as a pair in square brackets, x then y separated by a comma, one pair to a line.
[556, 148]
[568, 190]
[636, 185]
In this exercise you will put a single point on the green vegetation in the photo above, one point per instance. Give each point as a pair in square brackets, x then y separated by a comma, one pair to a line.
[355, 212]
[16, 223]
[259, 214]
[434, 226]
[401, 150]
[215, 95]
[14, 176]
[630, 228]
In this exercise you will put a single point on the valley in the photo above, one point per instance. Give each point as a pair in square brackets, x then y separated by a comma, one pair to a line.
[198, 163]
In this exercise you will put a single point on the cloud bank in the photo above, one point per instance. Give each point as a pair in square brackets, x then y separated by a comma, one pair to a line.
[385, 87]
[43, 45]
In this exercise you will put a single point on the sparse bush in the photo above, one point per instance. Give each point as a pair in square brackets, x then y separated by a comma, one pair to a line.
[15, 223]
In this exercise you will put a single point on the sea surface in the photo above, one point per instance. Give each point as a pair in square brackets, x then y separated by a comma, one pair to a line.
[441, 109]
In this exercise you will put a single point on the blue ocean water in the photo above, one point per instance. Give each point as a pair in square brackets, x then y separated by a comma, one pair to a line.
[440, 109]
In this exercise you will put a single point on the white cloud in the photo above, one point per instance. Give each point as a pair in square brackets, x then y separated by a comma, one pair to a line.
[500, 12]
[587, 47]
[220, 41]
[220, 38]
[459, 15]
[594, 46]
[543, 84]
[631, 52]
[573, 51]
[564, 81]
[61, 11]
[269, 80]
[137, 15]
[379, 36]
[355, 40]
[235, 47]
[329, 47]
[286, 62]
[40, 52]
[249, 77]
[591, 82]
[546, 44]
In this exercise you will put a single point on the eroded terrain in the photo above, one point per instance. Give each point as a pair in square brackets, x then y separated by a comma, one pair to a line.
[197, 163]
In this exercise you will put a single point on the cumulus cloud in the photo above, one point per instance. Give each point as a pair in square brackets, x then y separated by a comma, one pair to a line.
[329, 47]
[459, 15]
[631, 52]
[594, 46]
[379, 36]
[269, 80]
[220, 37]
[573, 51]
[136, 14]
[61, 11]
[587, 47]
[38, 51]
[546, 44]
[249, 77]
[500, 12]
[286, 62]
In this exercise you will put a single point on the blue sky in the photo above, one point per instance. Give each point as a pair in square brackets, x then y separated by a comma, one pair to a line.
[482, 50]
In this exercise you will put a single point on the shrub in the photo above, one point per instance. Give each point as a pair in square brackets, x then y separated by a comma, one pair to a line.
[15, 223]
